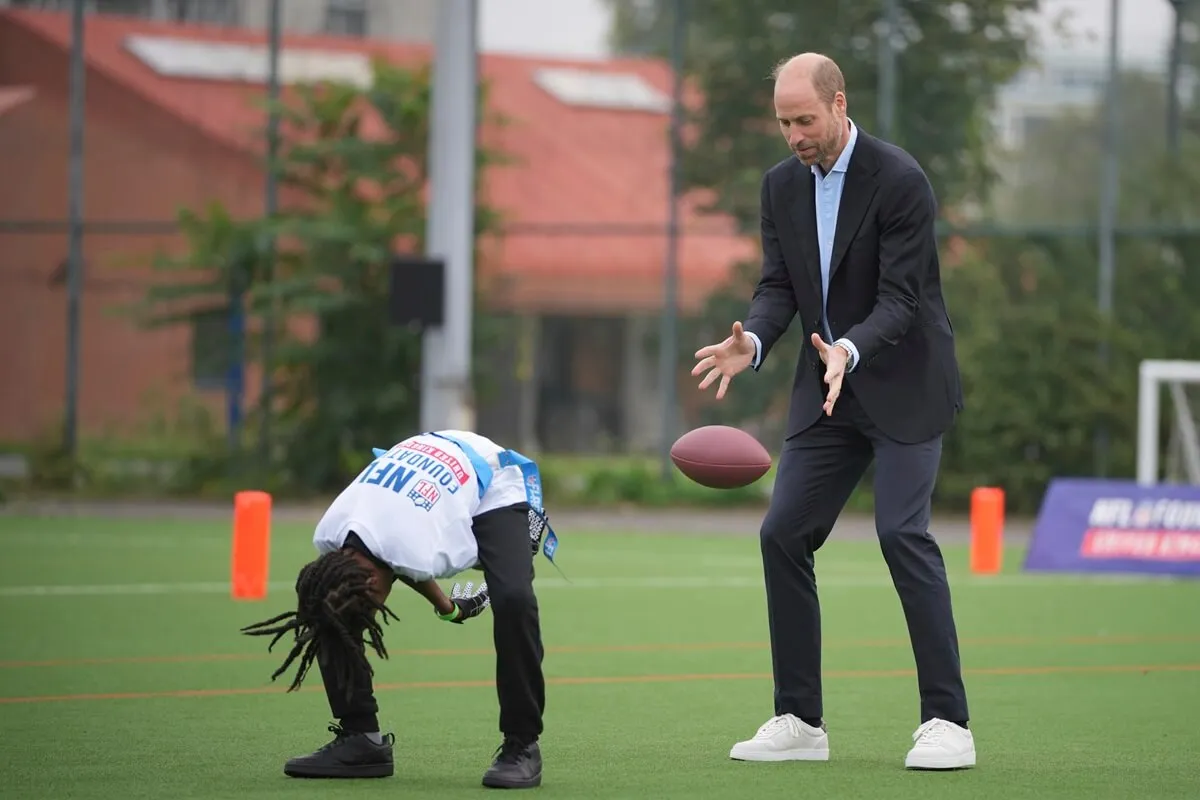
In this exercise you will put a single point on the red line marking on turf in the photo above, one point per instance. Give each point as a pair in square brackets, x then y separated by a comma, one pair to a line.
[93, 662]
[681, 647]
[612, 679]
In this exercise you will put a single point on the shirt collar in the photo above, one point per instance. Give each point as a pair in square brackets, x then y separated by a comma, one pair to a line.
[844, 159]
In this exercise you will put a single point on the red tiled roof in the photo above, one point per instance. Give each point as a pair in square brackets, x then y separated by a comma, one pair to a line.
[574, 168]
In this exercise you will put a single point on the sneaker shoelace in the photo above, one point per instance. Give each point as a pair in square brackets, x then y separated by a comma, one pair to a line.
[776, 724]
[338, 735]
[510, 751]
[930, 733]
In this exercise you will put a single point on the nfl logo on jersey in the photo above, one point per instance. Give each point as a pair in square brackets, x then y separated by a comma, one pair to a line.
[424, 495]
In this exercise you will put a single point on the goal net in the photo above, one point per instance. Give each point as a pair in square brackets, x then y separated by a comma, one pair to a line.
[1171, 455]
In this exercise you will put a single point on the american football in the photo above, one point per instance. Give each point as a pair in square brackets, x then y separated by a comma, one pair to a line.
[720, 457]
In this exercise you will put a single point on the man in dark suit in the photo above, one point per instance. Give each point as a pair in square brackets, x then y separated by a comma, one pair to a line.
[849, 246]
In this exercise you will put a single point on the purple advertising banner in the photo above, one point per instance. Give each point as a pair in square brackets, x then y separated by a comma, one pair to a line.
[1089, 525]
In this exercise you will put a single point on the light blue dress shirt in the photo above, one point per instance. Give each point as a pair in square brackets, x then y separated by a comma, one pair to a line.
[828, 195]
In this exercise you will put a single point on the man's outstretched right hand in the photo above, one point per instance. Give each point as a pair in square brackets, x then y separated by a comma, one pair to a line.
[724, 360]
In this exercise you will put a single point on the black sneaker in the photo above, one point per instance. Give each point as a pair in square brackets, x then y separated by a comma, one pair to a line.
[349, 755]
[517, 766]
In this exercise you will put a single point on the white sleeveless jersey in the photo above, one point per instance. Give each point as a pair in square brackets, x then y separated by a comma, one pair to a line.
[414, 505]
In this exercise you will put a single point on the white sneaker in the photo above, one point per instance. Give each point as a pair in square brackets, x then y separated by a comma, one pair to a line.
[941, 745]
[784, 738]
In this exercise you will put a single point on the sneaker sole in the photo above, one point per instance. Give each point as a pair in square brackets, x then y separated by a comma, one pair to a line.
[532, 783]
[781, 755]
[346, 771]
[960, 762]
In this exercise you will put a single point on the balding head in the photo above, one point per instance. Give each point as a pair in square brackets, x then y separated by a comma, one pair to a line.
[810, 103]
[821, 72]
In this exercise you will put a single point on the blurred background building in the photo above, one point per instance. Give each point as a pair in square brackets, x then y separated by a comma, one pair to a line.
[398, 20]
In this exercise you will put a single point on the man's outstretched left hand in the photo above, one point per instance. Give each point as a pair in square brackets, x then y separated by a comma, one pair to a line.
[834, 357]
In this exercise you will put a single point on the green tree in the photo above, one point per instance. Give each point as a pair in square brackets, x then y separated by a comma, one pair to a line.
[1056, 176]
[1158, 242]
[1028, 334]
[951, 59]
[349, 380]
[1025, 310]
[1037, 389]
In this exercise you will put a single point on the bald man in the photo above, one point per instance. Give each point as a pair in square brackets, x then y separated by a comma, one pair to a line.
[849, 247]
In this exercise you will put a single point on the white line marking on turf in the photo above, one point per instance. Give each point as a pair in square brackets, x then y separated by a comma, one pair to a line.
[111, 541]
[650, 582]
[122, 589]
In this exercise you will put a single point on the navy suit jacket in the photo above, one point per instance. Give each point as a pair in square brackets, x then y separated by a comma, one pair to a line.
[885, 291]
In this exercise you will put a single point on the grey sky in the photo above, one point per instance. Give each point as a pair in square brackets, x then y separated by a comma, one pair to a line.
[573, 28]
[1144, 30]
[577, 28]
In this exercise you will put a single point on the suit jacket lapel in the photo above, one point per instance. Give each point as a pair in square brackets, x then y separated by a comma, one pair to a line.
[857, 193]
[803, 213]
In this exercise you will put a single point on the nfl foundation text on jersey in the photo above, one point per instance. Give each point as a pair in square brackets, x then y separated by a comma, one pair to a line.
[439, 468]
[450, 476]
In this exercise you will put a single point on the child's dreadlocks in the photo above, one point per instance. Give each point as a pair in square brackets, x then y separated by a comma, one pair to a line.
[334, 609]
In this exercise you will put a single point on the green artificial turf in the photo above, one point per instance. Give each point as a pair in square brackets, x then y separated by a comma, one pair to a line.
[123, 675]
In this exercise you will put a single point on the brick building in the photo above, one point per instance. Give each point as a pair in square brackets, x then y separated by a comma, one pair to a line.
[169, 125]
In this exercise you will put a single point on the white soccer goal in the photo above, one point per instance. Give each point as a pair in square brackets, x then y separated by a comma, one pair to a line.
[1182, 461]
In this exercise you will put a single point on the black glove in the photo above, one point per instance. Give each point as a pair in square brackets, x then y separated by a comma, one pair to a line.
[467, 604]
[537, 528]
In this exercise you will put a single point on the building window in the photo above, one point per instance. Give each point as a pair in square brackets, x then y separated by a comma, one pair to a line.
[46, 5]
[217, 12]
[210, 349]
[346, 17]
[129, 8]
